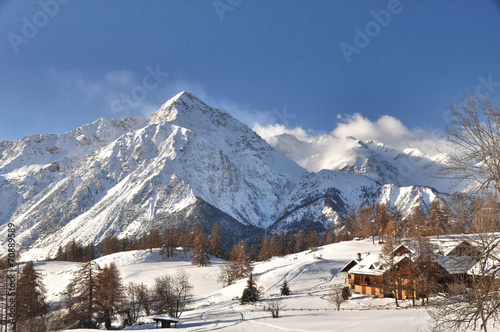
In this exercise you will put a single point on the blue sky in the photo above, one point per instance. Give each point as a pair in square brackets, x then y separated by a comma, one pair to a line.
[66, 63]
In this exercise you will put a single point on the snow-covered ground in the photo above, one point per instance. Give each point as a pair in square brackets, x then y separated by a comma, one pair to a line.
[215, 308]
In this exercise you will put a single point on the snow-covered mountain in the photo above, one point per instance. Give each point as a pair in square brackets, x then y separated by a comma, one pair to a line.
[375, 160]
[187, 162]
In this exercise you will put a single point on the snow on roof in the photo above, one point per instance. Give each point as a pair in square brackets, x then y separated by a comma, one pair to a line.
[488, 267]
[451, 252]
[444, 245]
[463, 260]
[457, 264]
[438, 246]
[374, 265]
[402, 246]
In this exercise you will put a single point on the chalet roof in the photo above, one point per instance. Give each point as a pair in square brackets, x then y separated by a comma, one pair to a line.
[402, 248]
[457, 254]
[374, 265]
[487, 267]
[457, 264]
[349, 265]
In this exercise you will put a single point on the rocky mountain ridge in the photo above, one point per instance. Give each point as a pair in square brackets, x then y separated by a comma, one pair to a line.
[186, 162]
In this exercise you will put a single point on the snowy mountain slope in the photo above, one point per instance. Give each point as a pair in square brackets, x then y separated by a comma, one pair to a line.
[375, 160]
[151, 176]
[323, 199]
[187, 162]
[309, 275]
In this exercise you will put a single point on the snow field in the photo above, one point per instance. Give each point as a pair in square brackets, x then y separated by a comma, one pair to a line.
[215, 308]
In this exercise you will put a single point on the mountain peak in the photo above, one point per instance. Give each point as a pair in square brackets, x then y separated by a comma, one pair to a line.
[184, 102]
[186, 97]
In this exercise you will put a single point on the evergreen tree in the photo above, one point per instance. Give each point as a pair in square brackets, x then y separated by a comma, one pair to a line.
[391, 278]
[30, 294]
[182, 234]
[215, 241]
[285, 290]
[397, 228]
[250, 293]
[70, 301]
[109, 294]
[73, 251]
[346, 293]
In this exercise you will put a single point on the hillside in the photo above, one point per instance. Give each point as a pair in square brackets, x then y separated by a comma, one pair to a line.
[214, 308]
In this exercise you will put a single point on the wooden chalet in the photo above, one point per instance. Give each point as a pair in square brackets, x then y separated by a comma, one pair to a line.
[445, 262]
[368, 274]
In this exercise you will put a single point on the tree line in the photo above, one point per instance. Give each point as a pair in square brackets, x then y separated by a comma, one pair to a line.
[366, 222]
[168, 240]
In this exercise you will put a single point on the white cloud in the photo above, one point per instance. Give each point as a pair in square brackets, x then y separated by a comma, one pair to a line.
[391, 132]
[385, 128]
[334, 150]
[269, 131]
